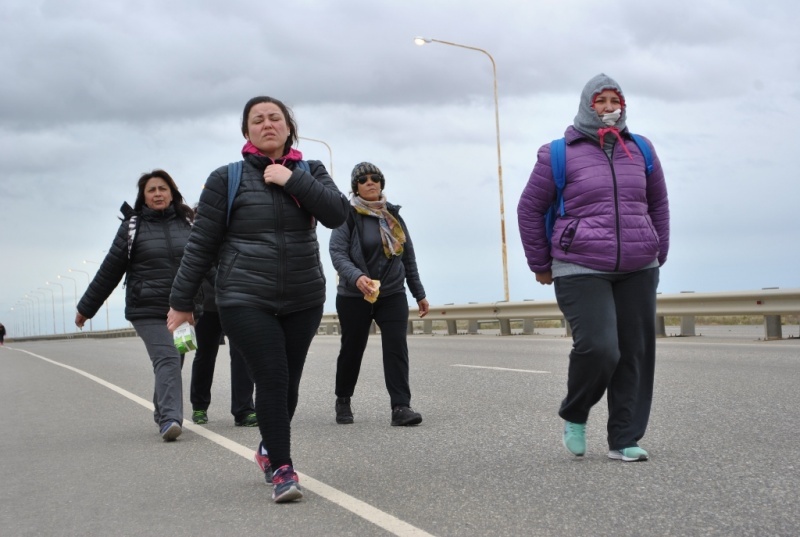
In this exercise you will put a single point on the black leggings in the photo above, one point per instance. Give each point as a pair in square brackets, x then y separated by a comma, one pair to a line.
[209, 331]
[275, 348]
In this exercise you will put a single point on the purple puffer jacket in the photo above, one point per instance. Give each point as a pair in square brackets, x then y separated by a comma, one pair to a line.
[617, 219]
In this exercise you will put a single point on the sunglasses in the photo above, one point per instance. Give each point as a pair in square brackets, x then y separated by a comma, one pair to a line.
[364, 178]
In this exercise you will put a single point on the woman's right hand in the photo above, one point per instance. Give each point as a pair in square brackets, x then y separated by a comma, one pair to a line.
[545, 278]
[364, 285]
[176, 318]
[79, 320]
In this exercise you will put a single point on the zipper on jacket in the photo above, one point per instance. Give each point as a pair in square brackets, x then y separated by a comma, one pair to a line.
[168, 237]
[616, 207]
[280, 237]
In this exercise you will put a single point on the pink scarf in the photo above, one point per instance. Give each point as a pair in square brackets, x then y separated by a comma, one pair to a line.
[293, 153]
[614, 131]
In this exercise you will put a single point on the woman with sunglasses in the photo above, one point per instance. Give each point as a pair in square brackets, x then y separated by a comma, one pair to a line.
[374, 257]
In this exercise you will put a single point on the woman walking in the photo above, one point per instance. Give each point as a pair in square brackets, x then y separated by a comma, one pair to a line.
[270, 283]
[374, 257]
[147, 250]
[604, 256]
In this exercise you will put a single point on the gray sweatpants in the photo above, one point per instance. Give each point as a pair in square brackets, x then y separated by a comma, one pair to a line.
[167, 362]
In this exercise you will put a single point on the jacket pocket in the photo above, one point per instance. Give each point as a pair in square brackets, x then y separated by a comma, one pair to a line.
[653, 230]
[134, 293]
[226, 271]
[568, 234]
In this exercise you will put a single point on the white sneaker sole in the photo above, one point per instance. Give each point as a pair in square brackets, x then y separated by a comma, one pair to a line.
[173, 432]
[618, 456]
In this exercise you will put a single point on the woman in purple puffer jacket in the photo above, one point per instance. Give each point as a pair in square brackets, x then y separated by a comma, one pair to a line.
[604, 259]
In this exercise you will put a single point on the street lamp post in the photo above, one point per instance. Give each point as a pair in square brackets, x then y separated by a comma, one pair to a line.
[108, 323]
[25, 326]
[38, 310]
[330, 151]
[31, 305]
[53, 299]
[43, 306]
[16, 310]
[88, 280]
[422, 41]
[75, 296]
[63, 311]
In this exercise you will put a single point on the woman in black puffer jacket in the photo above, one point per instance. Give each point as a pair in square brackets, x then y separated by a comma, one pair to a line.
[148, 253]
[270, 285]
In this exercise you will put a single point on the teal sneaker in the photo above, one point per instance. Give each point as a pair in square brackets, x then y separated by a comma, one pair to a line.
[200, 417]
[628, 454]
[249, 420]
[575, 438]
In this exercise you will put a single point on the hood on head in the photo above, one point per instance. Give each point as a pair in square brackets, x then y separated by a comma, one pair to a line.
[587, 121]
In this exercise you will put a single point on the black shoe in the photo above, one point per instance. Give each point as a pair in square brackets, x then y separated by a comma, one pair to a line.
[404, 415]
[344, 414]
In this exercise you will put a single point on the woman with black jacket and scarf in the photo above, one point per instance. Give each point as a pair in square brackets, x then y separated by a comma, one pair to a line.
[148, 249]
[374, 257]
[270, 283]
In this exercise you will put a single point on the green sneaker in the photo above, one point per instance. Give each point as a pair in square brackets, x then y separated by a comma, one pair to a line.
[200, 417]
[575, 438]
[249, 420]
[628, 454]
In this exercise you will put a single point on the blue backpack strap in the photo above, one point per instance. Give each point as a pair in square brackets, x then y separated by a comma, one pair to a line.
[646, 153]
[234, 179]
[558, 163]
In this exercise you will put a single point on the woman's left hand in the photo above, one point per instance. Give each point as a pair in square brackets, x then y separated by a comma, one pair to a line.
[423, 307]
[277, 174]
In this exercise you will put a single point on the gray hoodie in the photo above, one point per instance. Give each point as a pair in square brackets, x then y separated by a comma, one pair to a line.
[586, 120]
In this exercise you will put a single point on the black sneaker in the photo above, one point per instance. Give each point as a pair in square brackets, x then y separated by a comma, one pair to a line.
[404, 415]
[344, 414]
[249, 420]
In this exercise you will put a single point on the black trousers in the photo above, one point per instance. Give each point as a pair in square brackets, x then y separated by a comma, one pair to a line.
[355, 317]
[613, 351]
[209, 331]
[274, 348]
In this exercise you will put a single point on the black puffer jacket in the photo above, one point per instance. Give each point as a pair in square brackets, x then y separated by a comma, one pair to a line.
[268, 255]
[155, 257]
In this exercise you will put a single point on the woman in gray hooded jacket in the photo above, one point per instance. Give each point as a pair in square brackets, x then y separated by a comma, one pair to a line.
[604, 260]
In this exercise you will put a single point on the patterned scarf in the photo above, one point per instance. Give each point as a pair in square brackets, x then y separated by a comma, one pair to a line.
[392, 233]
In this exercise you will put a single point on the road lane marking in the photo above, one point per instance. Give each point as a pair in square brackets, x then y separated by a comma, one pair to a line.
[501, 368]
[384, 520]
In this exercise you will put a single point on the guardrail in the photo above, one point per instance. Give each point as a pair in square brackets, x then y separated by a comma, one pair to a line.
[771, 303]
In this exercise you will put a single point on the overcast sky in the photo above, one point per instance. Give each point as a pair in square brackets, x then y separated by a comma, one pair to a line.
[94, 93]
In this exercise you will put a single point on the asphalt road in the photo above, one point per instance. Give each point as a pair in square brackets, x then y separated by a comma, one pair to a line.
[80, 454]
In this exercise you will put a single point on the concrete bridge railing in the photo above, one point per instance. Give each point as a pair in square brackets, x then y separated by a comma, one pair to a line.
[771, 303]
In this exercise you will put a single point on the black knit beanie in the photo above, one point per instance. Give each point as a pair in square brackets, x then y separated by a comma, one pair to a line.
[365, 168]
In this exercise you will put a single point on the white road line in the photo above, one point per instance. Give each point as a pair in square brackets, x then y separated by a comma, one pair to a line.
[388, 522]
[501, 368]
